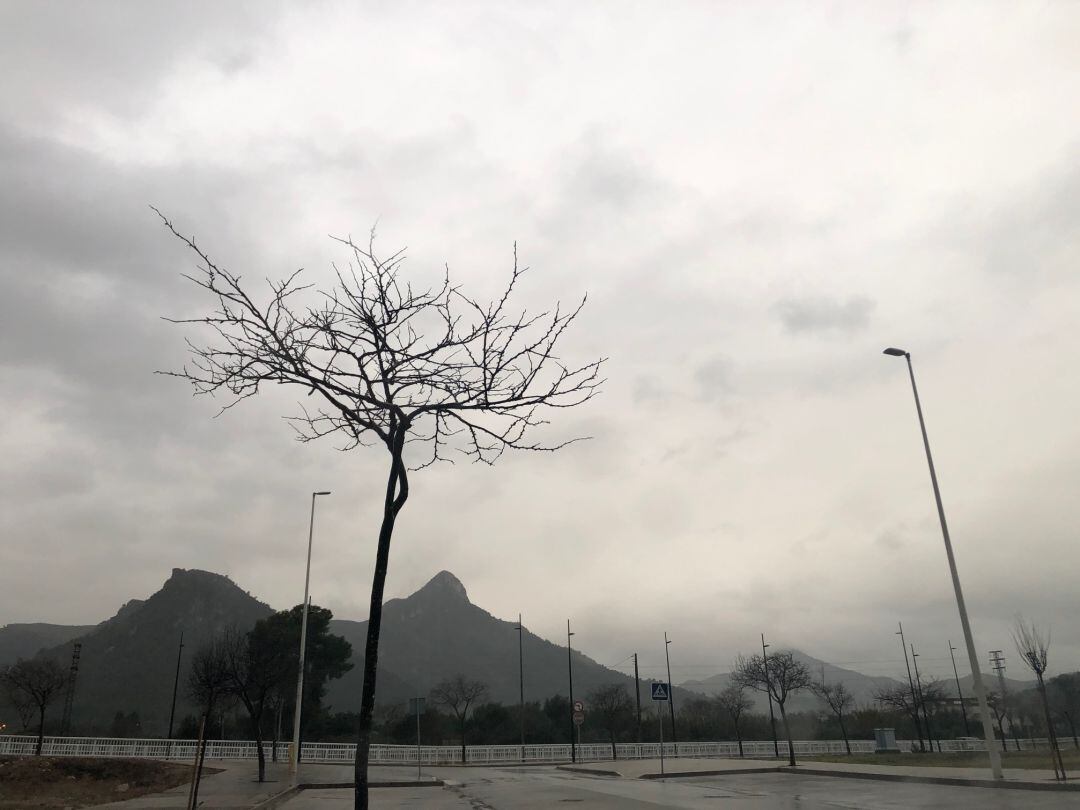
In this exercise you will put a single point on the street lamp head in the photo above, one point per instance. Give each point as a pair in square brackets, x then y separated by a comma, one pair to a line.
[895, 352]
[321, 493]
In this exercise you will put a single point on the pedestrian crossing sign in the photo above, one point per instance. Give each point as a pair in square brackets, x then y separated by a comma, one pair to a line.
[660, 690]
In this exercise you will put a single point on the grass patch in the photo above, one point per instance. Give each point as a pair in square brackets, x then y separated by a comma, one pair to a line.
[46, 782]
[1027, 760]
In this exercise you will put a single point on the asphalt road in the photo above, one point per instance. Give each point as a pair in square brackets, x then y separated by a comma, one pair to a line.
[527, 788]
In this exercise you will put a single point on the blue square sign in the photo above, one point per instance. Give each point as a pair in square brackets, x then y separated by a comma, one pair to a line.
[660, 690]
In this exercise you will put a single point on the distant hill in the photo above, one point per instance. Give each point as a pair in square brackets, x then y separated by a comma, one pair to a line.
[27, 640]
[437, 632]
[128, 662]
[861, 686]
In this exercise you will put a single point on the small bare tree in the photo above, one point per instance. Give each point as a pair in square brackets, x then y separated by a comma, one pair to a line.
[208, 684]
[612, 706]
[391, 365]
[734, 701]
[781, 676]
[34, 684]
[1034, 647]
[458, 694]
[839, 700]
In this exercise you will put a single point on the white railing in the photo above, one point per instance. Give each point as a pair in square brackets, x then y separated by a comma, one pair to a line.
[344, 753]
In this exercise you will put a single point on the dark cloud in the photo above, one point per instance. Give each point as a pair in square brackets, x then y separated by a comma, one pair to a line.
[824, 315]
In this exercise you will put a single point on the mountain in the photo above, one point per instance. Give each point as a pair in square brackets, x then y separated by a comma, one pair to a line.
[27, 640]
[437, 632]
[128, 662]
[861, 686]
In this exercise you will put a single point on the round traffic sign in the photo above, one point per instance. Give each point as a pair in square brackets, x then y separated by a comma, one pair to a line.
[579, 706]
[579, 718]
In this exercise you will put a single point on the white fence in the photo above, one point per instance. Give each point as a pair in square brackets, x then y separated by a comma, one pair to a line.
[451, 754]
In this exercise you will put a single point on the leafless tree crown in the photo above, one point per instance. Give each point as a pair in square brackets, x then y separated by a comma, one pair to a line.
[1032, 644]
[390, 363]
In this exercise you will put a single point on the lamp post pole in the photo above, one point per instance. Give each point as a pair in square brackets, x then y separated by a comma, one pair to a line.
[911, 686]
[570, 669]
[671, 695]
[969, 641]
[294, 753]
[176, 684]
[521, 683]
[768, 692]
[959, 693]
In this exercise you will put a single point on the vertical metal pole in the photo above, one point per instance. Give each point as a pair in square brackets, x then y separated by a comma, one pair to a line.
[637, 692]
[660, 717]
[671, 695]
[521, 683]
[570, 667]
[294, 754]
[768, 692]
[911, 686]
[418, 777]
[176, 684]
[969, 640]
[922, 702]
[959, 694]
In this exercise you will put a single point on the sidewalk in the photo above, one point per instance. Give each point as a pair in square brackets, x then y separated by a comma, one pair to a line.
[236, 785]
[680, 767]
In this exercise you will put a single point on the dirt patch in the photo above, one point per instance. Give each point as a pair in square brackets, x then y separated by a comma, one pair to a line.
[48, 782]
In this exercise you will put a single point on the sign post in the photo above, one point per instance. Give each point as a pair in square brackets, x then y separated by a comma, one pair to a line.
[417, 705]
[661, 691]
[578, 717]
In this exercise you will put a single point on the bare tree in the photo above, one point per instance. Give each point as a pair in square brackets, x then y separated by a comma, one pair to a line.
[612, 705]
[900, 699]
[839, 700]
[458, 694]
[1034, 647]
[735, 702]
[782, 676]
[256, 668]
[997, 708]
[34, 684]
[391, 365]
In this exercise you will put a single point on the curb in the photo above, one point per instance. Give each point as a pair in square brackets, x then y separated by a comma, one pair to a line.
[587, 771]
[956, 781]
[278, 798]
[687, 774]
[385, 784]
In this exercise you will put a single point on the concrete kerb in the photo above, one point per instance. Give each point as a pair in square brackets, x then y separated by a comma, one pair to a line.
[279, 799]
[726, 772]
[956, 781]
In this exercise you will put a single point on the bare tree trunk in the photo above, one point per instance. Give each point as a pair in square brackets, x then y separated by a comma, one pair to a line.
[843, 732]
[738, 736]
[1055, 751]
[787, 733]
[462, 740]
[40, 731]
[614, 756]
[397, 491]
[257, 727]
[276, 732]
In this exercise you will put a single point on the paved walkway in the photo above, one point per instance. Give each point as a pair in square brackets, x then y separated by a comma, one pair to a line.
[650, 769]
[236, 785]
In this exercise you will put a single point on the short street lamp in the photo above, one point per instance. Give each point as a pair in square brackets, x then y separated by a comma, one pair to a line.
[973, 658]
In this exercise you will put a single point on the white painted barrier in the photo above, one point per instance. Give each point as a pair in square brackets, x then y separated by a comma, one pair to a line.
[451, 754]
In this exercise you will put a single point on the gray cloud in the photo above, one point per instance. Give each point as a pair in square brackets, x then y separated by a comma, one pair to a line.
[824, 315]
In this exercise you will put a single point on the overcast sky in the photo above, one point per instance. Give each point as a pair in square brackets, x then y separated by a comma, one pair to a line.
[757, 199]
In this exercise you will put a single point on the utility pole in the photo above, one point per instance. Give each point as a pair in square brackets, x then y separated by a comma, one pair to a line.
[911, 686]
[521, 683]
[637, 692]
[768, 693]
[175, 686]
[997, 663]
[922, 701]
[959, 694]
[671, 695]
[570, 668]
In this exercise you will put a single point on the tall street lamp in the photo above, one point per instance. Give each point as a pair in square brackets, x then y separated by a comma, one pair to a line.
[671, 694]
[294, 754]
[969, 641]
[768, 693]
[521, 683]
[570, 668]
